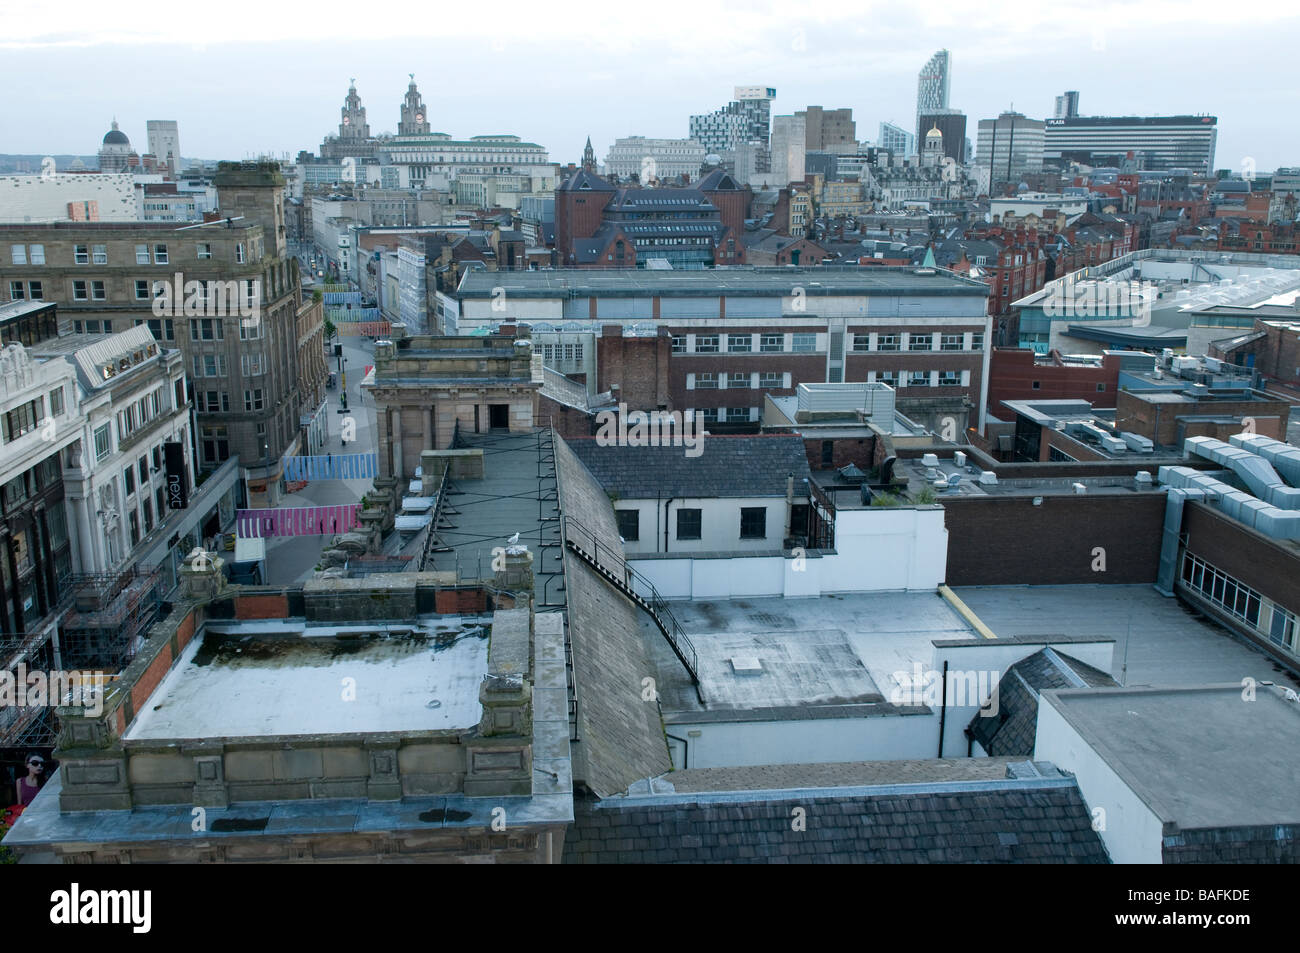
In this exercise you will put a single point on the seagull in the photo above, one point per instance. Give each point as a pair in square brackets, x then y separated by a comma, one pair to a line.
[513, 539]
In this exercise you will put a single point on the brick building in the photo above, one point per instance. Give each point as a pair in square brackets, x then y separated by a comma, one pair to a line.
[738, 334]
[1020, 374]
[257, 382]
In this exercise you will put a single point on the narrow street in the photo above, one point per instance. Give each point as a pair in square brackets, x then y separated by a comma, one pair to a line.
[292, 560]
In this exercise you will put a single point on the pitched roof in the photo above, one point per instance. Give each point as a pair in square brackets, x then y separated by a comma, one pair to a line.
[584, 181]
[983, 822]
[1011, 730]
[727, 467]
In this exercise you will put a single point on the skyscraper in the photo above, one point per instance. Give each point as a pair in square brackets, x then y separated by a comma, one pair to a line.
[896, 140]
[789, 135]
[932, 85]
[747, 118]
[1067, 105]
[1010, 146]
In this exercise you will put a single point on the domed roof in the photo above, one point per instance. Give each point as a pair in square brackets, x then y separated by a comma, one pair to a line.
[115, 137]
[934, 133]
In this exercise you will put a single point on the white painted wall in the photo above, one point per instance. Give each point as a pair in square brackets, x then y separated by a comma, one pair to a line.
[1131, 831]
[45, 198]
[877, 550]
[719, 525]
[813, 741]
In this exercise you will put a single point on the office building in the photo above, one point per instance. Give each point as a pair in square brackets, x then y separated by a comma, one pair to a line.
[1156, 142]
[1067, 105]
[829, 130]
[932, 86]
[165, 143]
[896, 140]
[650, 159]
[1009, 146]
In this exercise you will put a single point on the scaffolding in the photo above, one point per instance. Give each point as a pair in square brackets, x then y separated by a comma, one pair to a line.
[110, 614]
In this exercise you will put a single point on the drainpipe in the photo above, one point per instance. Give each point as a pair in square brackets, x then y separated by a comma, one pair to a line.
[667, 504]
[943, 706]
[789, 505]
[686, 749]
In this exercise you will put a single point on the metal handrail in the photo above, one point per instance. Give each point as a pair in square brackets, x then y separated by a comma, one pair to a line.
[654, 603]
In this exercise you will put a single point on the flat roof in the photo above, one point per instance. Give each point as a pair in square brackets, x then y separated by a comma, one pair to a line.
[831, 652]
[284, 677]
[1199, 757]
[16, 309]
[739, 281]
[838, 774]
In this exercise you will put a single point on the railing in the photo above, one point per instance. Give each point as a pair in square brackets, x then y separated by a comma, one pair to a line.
[613, 565]
[432, 535]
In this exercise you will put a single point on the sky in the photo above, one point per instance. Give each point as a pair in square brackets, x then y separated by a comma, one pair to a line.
[245, 78]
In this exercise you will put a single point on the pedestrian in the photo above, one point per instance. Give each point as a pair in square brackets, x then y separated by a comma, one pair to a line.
[31, 785]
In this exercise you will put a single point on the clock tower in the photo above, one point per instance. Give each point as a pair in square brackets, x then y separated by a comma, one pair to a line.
[415, 120]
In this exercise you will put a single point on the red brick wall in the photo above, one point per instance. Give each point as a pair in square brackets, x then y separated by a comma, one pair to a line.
[639, 366]
[1140, 417]
[1259, 562]
[458, 601]
[1012, 373]
[999, 541]
[275, 606]
[844, 450]
[568, 421]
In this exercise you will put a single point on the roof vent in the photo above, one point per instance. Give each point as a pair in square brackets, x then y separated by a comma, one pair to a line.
[746, 665]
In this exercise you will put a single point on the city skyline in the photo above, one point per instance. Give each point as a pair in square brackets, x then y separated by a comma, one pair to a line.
[994, 58]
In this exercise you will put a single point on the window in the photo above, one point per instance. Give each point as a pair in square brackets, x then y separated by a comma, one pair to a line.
[804, 342]
[135, 527]
[97, 291]
[709, 415]
[160, 254]
[250, 329]
[679, 343]
[128, 476]
[689, 523]
[1036, 385]
[887, 342]
[204, 251]
[209, 365]
[862, 342]
[770, 379]
[18, 254]
[753, 522]
[142, 254]
[215, 402]
[772, 342]
[920, 342]
[160, 500]
[706, 381]
[737, 415]
[147, 504]
[81, 254]
[142, 289]
[215, 444]
[35, 290]
[740, 343]
[207, 329]
[252, 365]
[239, 252]
[143, 467]
[253, 399]
[162, 329]
[79, 291]
[735, 379]
[16, 292]
[24, 418]
[949, 378]
[977, 341]
[629, 525]
[918, 379]
[951, 342]
[38, 254]
[103, 442]
[706, 344]
[56, 402]
[99, 254]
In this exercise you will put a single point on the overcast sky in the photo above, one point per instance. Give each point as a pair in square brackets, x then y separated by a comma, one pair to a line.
[245, 77]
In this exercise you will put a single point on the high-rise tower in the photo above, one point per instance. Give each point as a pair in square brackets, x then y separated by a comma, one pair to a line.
[932, 85]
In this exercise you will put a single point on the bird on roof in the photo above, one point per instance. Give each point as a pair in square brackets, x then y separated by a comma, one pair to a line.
[513, 539]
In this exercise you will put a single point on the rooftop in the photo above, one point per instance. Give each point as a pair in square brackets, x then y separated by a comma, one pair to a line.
[638, 282]
[282, 677]
[1181, 750]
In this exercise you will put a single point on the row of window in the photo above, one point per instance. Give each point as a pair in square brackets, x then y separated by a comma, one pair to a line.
[98, 254]
[24, 418]
[919, 378]
[218, 402]
[735, 379]
[690, 523]
[139, 414]
[553, 354]
[917, 342]
[773, 343]
[1243, 602]
[776, 342]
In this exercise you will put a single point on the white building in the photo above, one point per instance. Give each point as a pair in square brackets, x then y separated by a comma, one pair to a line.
[131, 403]
[789, 145]
[654, 158]
[165, 142]
[69, 197]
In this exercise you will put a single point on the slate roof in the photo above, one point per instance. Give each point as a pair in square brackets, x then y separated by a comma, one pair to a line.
[729, 467]
[584, 181]
[621, 738]
[1012, 730]
[983, 822]
[1273, 844]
